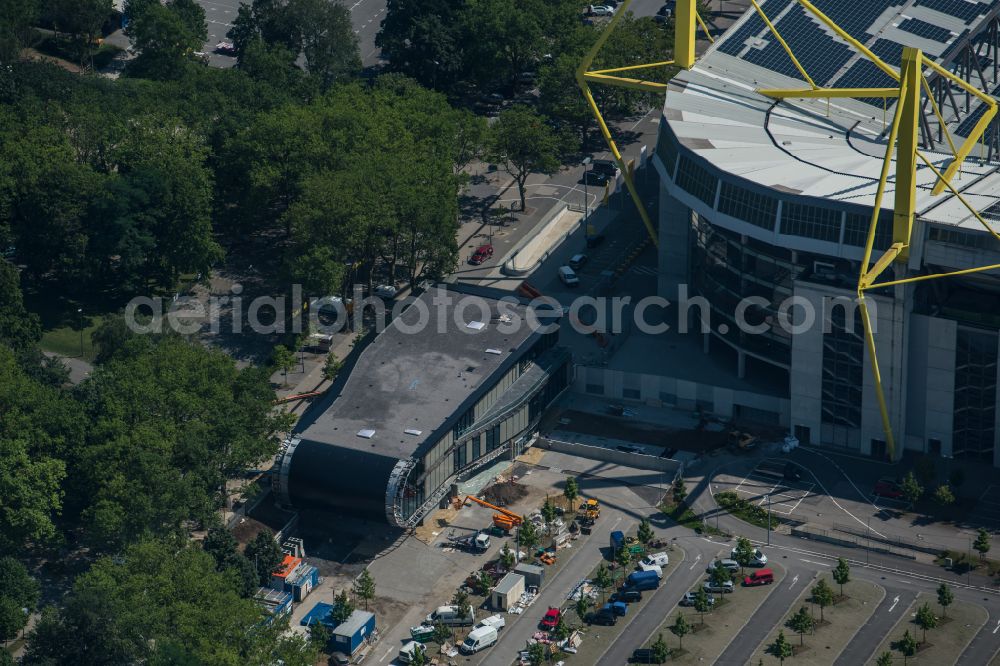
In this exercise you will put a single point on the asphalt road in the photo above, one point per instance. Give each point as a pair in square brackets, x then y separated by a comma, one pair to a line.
[219, 15]
[897, 599]
[366, 16]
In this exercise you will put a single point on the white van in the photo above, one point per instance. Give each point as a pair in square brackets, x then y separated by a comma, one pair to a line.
[407, 651]
[652, 567]
[656, 559]
[568, 277]
[478, 639]
[495, 621]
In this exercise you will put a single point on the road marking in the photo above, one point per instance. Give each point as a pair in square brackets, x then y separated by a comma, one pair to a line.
[794, 581]
[822, 564]
[895, 601]
[997, 628]
[849, 480]
[387, 651]
[695, 563]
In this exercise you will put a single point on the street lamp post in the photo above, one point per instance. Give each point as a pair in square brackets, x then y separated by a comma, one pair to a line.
[769, 519]
[79, 316]
[586, 196]
[868, 544]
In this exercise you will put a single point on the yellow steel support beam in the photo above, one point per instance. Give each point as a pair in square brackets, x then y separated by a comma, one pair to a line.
[850, 40]
[812, 93]
[890, 441]
[883, 263]
[784, 45]
[907, 143]
[632, 84]
[685, 13]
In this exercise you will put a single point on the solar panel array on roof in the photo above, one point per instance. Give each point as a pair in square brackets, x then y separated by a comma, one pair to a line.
[865, 74]
[856, 18]
[812, 45]
[970, 120]
[753, 26]
[889, 51]
[962, 9]
[926, 30]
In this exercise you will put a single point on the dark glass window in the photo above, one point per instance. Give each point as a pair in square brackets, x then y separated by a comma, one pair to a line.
[856, 230]
[696, 180]
[811, 222]
[974, 420]
[477, 445]
[743, 204]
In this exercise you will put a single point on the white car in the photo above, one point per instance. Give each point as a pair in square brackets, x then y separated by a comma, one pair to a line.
[652, 567]
[759, 559]
[386, 291]
[655, 560]
[725, 588]
[599, 10]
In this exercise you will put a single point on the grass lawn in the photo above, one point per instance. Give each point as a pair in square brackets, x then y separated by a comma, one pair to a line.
[707, 641]
[597, 638]
[746, 510]
[65, 340]
[683, 515]
[945, 642]
[843, 620]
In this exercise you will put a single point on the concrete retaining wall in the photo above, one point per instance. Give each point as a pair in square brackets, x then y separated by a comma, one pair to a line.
[510, 267]
[637, 460]
[846, 541]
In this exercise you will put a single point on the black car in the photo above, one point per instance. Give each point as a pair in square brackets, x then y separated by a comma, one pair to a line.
[644, 656]
[595, 240]
[667, 9]
[596, 178]
[626, 595]
[606, 618]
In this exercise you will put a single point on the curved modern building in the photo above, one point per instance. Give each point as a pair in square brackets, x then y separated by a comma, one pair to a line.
[454, 382]
[765, 207]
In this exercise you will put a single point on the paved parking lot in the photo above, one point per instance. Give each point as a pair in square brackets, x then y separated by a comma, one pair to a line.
[785, 496]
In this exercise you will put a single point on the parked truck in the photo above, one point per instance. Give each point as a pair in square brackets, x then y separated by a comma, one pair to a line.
[476, 543]
[642, 580]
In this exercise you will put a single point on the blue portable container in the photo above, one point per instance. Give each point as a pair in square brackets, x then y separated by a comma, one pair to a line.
[350, 635]
[617, 541]
[302, 582]
[643, 580]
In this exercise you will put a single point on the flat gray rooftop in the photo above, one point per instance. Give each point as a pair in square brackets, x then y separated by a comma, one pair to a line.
[417, 378]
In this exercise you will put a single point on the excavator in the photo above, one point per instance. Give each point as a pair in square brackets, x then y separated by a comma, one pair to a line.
[504, 519]
[590, 510]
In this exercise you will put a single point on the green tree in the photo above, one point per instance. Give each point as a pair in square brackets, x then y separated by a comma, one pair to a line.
[925, 619]
[744, 552]
[166, 37]
[943, 496]
[645, 532]
[603, 579]
[419, 657]
[528, 536]
[912, 490]
[571, 492]
[884, 659]
[82, 19]
[841, 574]
[507, 557]
[19, 594]
[982, 543]
[623, 558]
[549, 514]
[679, 490]
[484, 581]
[364, 587]
[328, 41]
[342, 607]
[442, 633]
[945, 598]
[702, 602]
[781, 648]
[680, 628]
[720, 574]
[283, 359]
[221, 545]
[801, 623]
[461, 600]
[906, 646]
[822, 596]
[522, 143]
[332, 367]
[17, 18]
[582, 607]
[424, 39]
[265, 554]
[561, 630]
[320, 635]
[536, 654]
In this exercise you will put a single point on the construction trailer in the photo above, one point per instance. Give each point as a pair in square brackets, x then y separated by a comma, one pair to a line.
[302, 582]
[276, 603]
[351, 634]
[288, 567]
[534, 575]
[508, 591]
[322, 613]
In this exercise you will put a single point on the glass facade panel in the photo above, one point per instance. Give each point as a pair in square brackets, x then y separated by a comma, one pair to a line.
[843, 355]
[856, 230]
[743, 204]
[696, 180]
[811, 222]
[974, 419]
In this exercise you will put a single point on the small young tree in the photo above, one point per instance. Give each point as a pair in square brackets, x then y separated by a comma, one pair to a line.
[332, 367]
[884, 659]
[906, 646]
[680, 628]
[801, 623]
[822, 596]
[912, 490]
[982, 543]
[645, 532]
[744, 552]
[624, 560]
[945, 598]
[284, 360]
[720, 574]
[561, 630]
[943, 496]
[319, 635]
[342, 607]
[925, 619]
[528, 535]
[419, 657]
[364, 587]
[442, 633]
[841, 574]
[781, 648]
[582, 607]
[484, 581]
[659, 647]
[461, 600]
[702, 603]
[571, 492]
[549, 514]
[602, 579]
[679, 490]
[536, 654]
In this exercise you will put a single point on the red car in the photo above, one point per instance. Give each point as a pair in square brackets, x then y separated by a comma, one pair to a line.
[482, 253]
[888, 488]
[551, 619]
